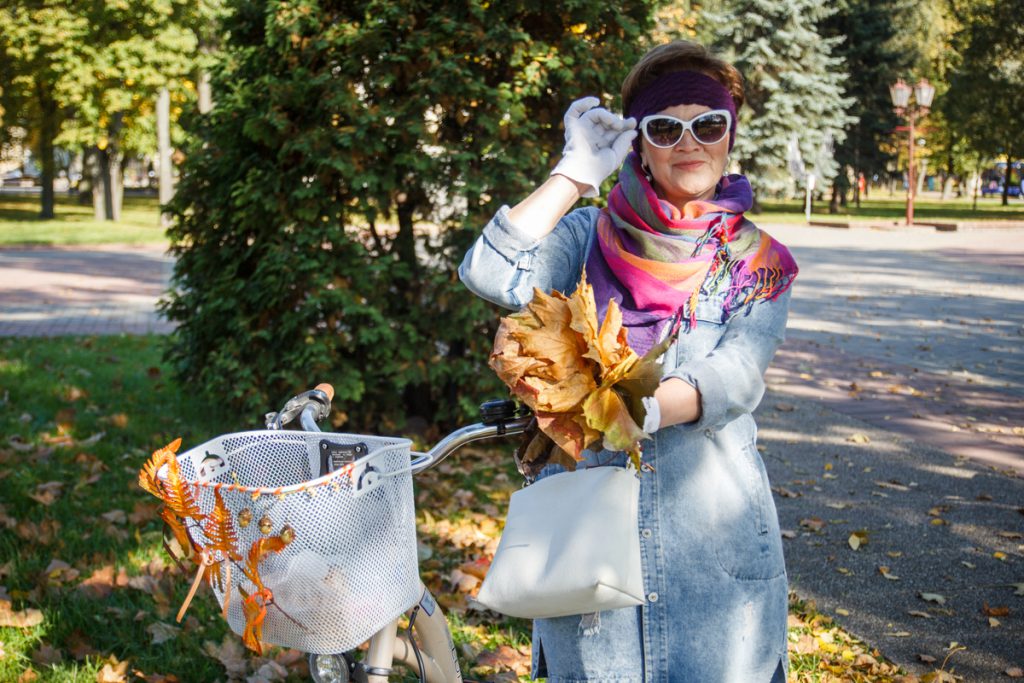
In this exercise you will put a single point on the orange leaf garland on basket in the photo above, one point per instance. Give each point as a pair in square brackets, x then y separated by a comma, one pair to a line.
[582, 380]
[254, 605]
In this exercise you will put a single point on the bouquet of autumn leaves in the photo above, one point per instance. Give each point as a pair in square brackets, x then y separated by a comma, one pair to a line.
[582, 380]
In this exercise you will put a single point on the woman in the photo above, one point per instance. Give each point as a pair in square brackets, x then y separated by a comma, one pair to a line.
[671, 242]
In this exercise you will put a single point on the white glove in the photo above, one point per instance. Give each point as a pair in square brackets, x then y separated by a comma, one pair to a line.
[596, 143]
[652, 421]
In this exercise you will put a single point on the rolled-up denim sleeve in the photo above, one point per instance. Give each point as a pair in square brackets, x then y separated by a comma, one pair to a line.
[504, 264]
[730, 379]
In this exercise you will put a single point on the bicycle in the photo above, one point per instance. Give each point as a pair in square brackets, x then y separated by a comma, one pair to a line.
[330, 592]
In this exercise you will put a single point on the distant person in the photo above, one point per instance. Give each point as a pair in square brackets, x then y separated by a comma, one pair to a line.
[671, 241]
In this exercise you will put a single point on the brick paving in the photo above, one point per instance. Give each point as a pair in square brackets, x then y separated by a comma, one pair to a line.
[56, 291]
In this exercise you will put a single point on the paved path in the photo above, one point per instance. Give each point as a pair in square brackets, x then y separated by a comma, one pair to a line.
[82, 290]
[895, 408]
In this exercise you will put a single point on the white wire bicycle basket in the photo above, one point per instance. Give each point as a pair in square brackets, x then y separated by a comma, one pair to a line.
[351, 566]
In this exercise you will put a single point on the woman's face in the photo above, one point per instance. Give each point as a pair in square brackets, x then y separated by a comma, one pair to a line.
[690, 170]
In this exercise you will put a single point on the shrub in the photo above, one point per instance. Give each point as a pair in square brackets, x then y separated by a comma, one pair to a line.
[355, 150]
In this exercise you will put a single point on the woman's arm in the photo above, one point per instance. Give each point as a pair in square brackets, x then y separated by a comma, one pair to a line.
[710, 392]
[537, 215]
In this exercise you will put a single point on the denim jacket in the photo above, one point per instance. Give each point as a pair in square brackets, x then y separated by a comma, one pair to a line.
[711, 546]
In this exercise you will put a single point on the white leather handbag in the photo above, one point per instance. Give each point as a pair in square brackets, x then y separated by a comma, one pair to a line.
[570, 546]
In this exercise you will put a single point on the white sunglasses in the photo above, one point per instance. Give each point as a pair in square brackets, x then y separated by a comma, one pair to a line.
[666, 131]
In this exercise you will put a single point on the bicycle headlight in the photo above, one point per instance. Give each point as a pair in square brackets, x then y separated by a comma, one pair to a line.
[328, 668]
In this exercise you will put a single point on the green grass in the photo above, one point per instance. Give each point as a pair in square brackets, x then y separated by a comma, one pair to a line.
[87, 412]
[882, 207]
[75, 224]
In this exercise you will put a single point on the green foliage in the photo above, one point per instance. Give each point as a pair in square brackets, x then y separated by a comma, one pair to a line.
[868, 30]
[794, 86]
[985, 100]
[355, 151]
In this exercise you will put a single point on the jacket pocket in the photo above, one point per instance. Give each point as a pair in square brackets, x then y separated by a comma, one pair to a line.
[749, 545]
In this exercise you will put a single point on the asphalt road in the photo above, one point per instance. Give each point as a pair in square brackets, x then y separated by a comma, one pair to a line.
[895, 412]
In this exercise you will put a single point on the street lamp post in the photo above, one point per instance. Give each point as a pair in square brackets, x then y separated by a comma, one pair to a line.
[900, 93]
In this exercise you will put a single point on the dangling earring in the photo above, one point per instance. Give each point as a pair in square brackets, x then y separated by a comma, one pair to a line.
[647, 171]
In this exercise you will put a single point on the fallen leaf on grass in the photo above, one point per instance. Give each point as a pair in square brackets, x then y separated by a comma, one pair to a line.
[116, 516]
[505, 658]
[926, 659]
[59, 571]
[113, 671]
[1015, 672]
[46, 655]
[788, 533]
[919, 613]
[230, 654]
[940, 676]
[933, 597]
[858, 438]
[100, 583]
[78, 646]
[26, 618]
[1012, 535]
[1019, 588]
[161, 632]
[155, 678]
[28, 676]
[993, 622]
[48, 493]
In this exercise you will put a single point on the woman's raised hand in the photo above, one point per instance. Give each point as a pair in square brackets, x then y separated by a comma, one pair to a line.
[596, 143]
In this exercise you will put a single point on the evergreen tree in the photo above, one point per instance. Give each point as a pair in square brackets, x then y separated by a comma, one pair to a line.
[794, 86]
[355, 150]
[867, 30]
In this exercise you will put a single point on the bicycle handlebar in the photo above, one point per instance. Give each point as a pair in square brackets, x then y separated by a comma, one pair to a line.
[500, 419]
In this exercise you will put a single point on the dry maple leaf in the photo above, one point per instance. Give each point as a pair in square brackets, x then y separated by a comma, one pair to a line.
[581, 378]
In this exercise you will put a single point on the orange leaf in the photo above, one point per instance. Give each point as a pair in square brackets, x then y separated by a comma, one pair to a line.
[260, 548]
[254, 607]
[569, 431]
[220, 530]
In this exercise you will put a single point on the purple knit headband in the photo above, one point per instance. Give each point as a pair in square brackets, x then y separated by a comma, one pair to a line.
[682, 87]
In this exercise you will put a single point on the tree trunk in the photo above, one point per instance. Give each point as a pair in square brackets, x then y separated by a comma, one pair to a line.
[205, 93]
[833, 204]
[107, 184]
[1006, 181]
[47, 133]
[405, 243]
[163, 136]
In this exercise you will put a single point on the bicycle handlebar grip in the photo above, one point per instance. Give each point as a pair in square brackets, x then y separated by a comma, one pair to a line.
[327, 389]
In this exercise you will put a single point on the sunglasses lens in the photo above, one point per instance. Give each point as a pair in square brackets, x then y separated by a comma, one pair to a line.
[710, 128]
[664, 132]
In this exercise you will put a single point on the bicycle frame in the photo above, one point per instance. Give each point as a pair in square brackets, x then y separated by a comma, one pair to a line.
[435, 657]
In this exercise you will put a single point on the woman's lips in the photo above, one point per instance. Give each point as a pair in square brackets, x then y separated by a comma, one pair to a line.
[688, 165]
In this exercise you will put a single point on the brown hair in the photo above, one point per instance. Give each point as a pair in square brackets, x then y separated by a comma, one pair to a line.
[680, 55]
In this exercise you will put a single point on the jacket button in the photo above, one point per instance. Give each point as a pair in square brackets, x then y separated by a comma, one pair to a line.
[708, 433]
[652, 597]
[646, 533]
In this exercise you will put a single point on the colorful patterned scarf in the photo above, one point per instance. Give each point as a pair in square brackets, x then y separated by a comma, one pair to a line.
[656, 262]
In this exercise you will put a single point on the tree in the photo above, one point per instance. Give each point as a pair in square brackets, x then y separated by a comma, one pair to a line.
[866, 32]
[130, 51]
[355, 150]
[794, 85]
[985, 100]
[38, 48]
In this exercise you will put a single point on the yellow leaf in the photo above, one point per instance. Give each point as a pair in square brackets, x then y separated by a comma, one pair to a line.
[606, 412]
